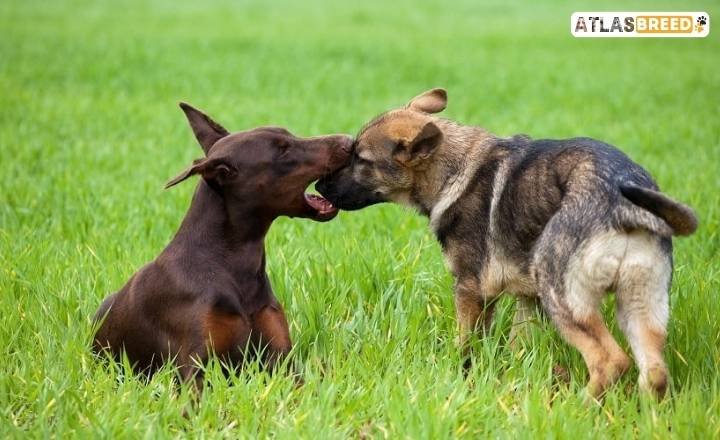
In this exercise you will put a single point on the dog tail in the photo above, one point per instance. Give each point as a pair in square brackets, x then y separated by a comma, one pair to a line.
[659, 213]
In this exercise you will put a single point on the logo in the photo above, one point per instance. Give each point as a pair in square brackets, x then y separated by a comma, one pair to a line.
[701, 22]
[640, 24]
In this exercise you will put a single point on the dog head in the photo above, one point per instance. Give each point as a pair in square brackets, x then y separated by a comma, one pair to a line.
[390, 154]
[265, 169]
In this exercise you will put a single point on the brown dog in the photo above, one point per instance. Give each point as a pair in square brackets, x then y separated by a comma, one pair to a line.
[208, 290]
[563, 221]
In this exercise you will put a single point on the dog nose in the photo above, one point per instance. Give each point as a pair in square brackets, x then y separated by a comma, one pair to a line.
[346, 143]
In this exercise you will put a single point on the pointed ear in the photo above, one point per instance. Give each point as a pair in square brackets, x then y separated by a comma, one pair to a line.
[432, 101]
[421, 147]
[212, 170]
[207, 131]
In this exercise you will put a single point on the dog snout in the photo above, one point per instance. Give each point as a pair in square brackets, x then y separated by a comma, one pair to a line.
[341, 152]
[323, 185]
[346, 143]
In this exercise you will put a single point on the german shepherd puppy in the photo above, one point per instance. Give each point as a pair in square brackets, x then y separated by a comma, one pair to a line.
[565, 221]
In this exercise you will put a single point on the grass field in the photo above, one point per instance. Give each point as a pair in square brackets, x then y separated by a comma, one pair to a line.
[90, 131]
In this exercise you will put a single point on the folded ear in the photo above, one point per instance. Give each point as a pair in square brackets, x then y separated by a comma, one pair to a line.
[421, 147]
[216, 171]
[207, 131]
[432, 101]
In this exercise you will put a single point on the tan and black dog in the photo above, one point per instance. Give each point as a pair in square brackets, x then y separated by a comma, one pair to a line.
[207, 291]
[565, 221]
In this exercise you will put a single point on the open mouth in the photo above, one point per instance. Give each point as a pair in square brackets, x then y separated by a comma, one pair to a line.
[324, 210]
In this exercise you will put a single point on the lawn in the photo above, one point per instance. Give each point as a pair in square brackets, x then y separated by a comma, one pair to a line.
[90, 131]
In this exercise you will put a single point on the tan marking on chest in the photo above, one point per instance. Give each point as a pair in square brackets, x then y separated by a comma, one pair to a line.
[225, 332]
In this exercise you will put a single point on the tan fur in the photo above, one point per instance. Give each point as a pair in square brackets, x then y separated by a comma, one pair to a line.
[272, 326]
[473, 311]
[271, 323]
[432, 101]
[503, 275]
[642, 308]
[605, 360]
[224, 331]
[634, 264]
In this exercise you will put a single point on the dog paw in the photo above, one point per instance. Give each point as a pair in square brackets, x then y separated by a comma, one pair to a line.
[589, 399]
[702, 20]
[655, 381]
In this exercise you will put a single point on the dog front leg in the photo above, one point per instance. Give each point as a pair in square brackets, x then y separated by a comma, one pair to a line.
[474, 314]
[271, 326]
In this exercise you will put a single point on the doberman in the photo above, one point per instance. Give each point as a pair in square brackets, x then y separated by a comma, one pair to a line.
[208, 291]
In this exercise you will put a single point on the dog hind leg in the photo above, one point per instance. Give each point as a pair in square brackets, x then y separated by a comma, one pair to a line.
[642, 308]
[605, 360]
[573, 271]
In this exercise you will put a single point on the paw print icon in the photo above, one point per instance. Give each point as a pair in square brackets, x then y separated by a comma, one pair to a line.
[700, 23]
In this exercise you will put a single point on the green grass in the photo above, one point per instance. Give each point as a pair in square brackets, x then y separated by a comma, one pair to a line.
[90, 131]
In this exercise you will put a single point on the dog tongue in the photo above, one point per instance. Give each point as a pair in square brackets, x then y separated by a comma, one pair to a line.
[321, 204]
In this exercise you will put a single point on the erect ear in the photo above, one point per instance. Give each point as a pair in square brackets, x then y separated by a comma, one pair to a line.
[422, 146]
[207, 131]
[212, 170]
[432, 101]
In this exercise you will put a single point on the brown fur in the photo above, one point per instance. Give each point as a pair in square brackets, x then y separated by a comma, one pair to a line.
[208, 292]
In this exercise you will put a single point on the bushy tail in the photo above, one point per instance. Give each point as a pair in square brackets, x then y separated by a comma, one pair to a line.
[680, 218]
